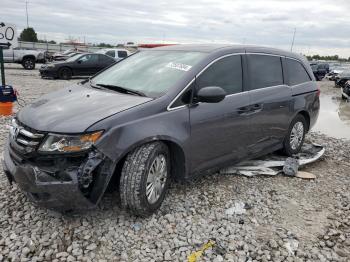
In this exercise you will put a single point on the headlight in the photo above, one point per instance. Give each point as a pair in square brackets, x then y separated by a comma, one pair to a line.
[50, 65]
[69, 143]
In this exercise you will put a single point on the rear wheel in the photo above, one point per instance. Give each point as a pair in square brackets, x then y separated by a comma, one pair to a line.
[144, 178]
[65, 73]
[295, 137]
[28, 63]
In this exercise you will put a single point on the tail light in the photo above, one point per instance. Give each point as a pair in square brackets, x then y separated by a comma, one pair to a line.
[318, 92]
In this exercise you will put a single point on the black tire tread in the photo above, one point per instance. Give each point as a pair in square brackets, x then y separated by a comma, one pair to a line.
[131, 177]
[60, 73]
[28, 58]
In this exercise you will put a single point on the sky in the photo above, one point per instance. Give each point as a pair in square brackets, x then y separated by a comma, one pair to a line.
[322, 26]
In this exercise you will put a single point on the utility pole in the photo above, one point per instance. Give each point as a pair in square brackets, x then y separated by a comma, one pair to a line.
[27, 13]
[291, 48]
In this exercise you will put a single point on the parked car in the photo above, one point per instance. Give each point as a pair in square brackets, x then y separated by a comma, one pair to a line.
[161, 114]
[345, 91]
[320, 70]
[27, 58]
[117, 54]
[78, 65]
[334, 72]
[62, 56]
[342, 78]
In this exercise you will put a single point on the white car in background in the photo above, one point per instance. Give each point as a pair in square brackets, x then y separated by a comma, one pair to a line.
[117, 53]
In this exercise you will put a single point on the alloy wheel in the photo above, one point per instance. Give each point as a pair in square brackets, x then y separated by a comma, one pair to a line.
[156, 179]
[296, 135]
[28, 64]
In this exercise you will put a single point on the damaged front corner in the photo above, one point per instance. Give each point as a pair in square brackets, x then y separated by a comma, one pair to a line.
[86, 169]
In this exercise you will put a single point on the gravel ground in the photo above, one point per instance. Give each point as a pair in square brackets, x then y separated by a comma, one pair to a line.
[284, 219]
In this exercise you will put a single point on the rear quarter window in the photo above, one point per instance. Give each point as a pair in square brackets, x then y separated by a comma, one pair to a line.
[122, 54]
[265, 71]
[110, 53]
[296, 72]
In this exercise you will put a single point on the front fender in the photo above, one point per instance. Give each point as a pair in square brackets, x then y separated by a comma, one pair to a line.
[172, 126]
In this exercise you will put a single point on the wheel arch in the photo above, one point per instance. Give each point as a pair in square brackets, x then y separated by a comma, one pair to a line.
[177, 158]
[306, 115]
[28, 56]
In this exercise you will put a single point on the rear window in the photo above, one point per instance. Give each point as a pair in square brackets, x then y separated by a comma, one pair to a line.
[265, 71]
[296, 72]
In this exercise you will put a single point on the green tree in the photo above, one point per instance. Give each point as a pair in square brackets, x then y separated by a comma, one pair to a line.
[29, 35]
[104, 45]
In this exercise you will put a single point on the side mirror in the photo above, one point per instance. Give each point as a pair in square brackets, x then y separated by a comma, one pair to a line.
[79, 61]
[211, 94]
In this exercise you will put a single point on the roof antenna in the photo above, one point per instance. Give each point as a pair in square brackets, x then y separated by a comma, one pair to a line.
[291, 48]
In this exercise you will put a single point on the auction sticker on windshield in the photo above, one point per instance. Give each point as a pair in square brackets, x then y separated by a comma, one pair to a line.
[179, 66]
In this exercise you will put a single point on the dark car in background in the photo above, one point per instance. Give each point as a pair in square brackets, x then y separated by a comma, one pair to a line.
[320, 70]
[161, 114]
[86, 64]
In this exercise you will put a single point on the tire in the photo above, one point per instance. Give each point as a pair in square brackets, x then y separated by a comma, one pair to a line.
[136, 178]
[28, 63]
[297, 129]
[65, 73]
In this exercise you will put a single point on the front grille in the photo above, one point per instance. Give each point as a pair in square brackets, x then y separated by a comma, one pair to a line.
[24, 140]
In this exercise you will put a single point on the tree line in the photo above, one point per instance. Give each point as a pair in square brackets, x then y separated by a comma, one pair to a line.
[328, 58]
[29, 35]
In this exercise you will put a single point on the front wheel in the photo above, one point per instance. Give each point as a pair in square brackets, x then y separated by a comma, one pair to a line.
[295, 137]
[144, 178]
[65, 73]
[28, 63]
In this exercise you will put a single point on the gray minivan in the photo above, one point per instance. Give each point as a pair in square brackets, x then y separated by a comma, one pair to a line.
[161, 114]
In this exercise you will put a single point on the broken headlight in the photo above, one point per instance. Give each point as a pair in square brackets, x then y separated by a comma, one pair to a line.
[69, 143]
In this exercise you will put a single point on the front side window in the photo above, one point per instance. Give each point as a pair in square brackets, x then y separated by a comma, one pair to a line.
[225, 73]
[150, 72]
[296, 72]
[265, 71]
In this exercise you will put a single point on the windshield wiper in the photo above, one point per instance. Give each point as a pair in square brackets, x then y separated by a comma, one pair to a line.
[122, 89]
[91, 83]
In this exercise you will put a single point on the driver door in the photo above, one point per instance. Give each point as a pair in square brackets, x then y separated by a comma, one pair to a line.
[220, 131]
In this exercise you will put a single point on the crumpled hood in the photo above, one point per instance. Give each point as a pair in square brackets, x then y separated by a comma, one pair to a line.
[74, 109]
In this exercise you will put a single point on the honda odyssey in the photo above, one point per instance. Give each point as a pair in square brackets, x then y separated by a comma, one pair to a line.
[159, 115]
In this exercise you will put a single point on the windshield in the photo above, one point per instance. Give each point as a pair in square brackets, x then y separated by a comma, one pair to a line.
[149, 72]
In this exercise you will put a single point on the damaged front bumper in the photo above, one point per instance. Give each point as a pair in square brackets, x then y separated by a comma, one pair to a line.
[63, 187]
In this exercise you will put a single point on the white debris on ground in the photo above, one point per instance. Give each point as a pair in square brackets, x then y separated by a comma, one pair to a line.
[276, 163]
[316, 213]
[237, 209]
[292, 246]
